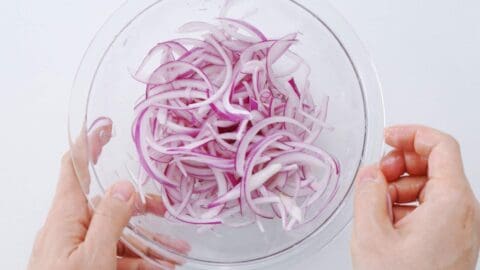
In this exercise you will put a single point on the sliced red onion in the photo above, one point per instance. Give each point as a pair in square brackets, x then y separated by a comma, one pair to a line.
[256, 35]
[256, 181]
[228, 139]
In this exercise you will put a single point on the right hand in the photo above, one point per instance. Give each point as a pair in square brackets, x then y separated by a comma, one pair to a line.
[442, 232]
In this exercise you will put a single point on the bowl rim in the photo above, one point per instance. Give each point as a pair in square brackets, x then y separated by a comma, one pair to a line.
[367, 78]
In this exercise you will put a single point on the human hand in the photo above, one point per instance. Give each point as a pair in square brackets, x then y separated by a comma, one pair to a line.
[76, 237]
[440, 232]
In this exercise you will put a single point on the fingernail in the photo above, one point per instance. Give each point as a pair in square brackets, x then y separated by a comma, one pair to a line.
[122, 192]
[104, 137]
[139, 207]
[179, 245]
[184, 246]
[389, 206]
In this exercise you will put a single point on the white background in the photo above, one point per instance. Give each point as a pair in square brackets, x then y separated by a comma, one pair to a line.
[426, 51]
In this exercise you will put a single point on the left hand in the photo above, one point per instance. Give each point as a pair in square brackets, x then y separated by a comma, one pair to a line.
[75, 237]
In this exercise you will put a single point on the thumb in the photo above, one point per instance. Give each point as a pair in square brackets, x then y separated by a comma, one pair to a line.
[111, 216]
[373, 207]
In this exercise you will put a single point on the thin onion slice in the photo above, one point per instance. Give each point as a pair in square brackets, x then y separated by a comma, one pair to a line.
[225, 137]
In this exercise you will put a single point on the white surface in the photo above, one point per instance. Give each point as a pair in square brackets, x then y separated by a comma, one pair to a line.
[427, 54]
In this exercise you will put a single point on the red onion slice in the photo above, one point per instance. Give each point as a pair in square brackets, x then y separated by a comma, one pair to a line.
[228, 139]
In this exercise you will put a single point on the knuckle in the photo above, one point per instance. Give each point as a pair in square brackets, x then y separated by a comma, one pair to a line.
[442, 137]
[453, 142]
[104, 212]
[111, 209]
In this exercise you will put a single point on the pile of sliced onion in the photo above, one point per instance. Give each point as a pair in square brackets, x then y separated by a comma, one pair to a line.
[227, 128]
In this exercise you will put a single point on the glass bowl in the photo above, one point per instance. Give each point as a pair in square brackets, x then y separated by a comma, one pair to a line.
[340, 67]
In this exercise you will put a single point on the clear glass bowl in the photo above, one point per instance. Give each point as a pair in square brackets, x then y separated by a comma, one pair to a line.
[340, 68]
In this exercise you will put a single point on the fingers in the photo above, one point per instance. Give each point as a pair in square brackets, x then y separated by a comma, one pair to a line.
[407, 189]
[140, 264]
[154, 205]
[70, 205]
[178, 245]
[415, 164]
[396, 163]
[167, 241]
[441, 150]
[88, 147]
[99, 134]
[401, 211]
[69, 201]
[69, 187]
[111, 216]
[393, 165]
[133, 245]
[372, 203]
